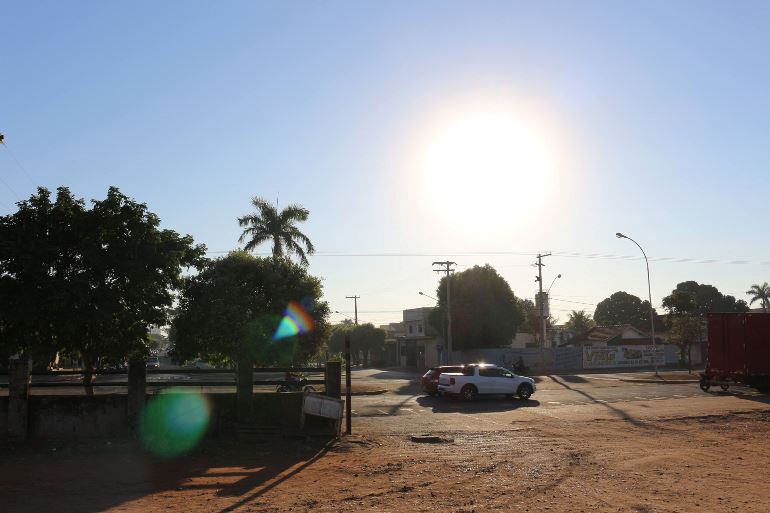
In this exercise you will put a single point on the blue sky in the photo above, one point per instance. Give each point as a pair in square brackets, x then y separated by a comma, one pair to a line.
[654, 116]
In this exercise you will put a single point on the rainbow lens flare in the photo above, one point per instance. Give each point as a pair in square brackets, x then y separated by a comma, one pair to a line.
[174, 422]
[295, 321]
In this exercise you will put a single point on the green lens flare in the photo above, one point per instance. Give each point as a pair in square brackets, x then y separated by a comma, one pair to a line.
[174, 422]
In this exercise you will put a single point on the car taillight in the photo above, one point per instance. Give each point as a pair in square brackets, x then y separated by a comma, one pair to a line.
[451, 381]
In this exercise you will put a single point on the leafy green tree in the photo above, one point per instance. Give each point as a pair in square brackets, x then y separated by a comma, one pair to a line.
[232, 309]
[691, 297]
[84, 281]
[760, 293]
[624, 308]
[686, 330]
[38, 259]
[579, 321]
[267, 224]
[485, 312]
[365, 340]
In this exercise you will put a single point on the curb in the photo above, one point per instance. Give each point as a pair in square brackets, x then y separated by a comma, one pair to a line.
[372, 392]
[660, 381]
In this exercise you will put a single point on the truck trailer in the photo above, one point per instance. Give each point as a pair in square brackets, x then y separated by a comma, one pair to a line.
[738, 351]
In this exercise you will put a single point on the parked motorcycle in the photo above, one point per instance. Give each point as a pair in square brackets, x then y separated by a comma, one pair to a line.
[520, 368]
[295, 383]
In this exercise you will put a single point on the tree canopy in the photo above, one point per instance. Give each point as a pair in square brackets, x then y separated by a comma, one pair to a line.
[579, 321]
[485, 312]
[693, 298]
[268, 224]
[624, 308]
[365, 339]
[233, 308]
[86, 281]
[760, 293]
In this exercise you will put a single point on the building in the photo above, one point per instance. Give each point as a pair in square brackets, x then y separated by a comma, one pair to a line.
[414, 342]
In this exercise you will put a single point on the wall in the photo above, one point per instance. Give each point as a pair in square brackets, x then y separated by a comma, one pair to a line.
[549, 360]
[104, 416]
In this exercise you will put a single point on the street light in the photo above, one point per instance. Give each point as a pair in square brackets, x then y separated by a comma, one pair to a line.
[554, 280]
[649, 294]
[429, 297]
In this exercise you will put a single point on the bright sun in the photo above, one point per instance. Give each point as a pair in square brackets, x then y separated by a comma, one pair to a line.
[487, 165]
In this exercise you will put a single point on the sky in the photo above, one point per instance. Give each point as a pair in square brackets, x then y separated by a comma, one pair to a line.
[476, 132]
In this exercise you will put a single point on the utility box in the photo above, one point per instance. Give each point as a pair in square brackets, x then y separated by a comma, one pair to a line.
[322, 406]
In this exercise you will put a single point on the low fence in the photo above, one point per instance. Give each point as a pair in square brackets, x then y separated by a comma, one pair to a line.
[42, 379]
[116, 412]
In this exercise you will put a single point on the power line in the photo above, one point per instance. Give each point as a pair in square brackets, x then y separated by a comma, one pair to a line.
[563, 254]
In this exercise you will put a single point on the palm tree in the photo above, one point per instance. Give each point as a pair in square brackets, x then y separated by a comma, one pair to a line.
[760, 293]
[266, 223]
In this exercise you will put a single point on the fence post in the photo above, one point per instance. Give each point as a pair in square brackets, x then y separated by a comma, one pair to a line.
[137, 389]
[18, 398]
[244, 389]
[334, 379]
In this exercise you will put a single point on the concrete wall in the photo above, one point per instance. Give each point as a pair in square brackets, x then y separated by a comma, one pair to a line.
[547, 360]
[104, 416]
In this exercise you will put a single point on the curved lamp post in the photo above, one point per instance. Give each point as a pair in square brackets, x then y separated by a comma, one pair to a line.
[551, 285]
[649, 294]
[429, 297]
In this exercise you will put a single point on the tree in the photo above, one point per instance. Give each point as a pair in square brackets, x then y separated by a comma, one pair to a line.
[624, 308]
[267, 224]
[760, 293]
[365, 341]
[38, 258]
[685, 330]
[579, 321]
[485, 312]
[232, 309]
[691, 297]
[87, 281]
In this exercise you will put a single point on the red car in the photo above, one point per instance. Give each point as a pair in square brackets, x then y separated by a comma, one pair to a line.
[430, 378]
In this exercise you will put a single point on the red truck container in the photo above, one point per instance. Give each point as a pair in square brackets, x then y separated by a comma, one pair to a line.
[738, 351]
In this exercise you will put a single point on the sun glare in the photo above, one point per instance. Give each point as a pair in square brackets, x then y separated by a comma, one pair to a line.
[487, 165]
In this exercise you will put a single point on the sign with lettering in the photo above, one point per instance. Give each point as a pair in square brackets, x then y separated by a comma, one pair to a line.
[621, 356]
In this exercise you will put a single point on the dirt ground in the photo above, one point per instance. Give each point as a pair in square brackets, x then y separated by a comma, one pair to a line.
[708, 463]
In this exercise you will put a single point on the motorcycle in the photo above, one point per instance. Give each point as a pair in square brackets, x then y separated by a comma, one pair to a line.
[520, 368]
[295, 383]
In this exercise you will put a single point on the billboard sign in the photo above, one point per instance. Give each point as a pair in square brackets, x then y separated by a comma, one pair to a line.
[622, 356]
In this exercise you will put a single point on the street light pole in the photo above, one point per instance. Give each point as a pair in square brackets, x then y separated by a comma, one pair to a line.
[447, 268]
[649, 295]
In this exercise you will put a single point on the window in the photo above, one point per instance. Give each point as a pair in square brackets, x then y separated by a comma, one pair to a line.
[469, 371]
[419, 328]
[491, 372]
[411, 329]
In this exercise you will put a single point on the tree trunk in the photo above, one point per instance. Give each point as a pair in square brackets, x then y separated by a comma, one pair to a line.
[689, 358]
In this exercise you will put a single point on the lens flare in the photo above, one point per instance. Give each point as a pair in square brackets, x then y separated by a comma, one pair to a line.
[296, 320]
[174, 422]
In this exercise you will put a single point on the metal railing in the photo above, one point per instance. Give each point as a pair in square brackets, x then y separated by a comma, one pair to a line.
[154, 382]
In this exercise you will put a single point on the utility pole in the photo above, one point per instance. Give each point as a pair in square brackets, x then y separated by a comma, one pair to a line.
[447, 268]
[539, 279]
[355, 306]
[348, 385]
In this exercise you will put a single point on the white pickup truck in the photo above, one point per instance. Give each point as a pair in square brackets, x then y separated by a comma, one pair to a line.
[483, 378]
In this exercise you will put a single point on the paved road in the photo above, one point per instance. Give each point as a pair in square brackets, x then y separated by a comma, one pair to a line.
[404, 408]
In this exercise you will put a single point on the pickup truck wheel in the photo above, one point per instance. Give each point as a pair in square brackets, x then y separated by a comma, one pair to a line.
[524, 391]
[724, 387]
[468, 392]
[704, 385]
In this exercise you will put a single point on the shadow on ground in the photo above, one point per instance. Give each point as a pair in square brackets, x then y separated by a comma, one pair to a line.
[94, 478]
[482, 404]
